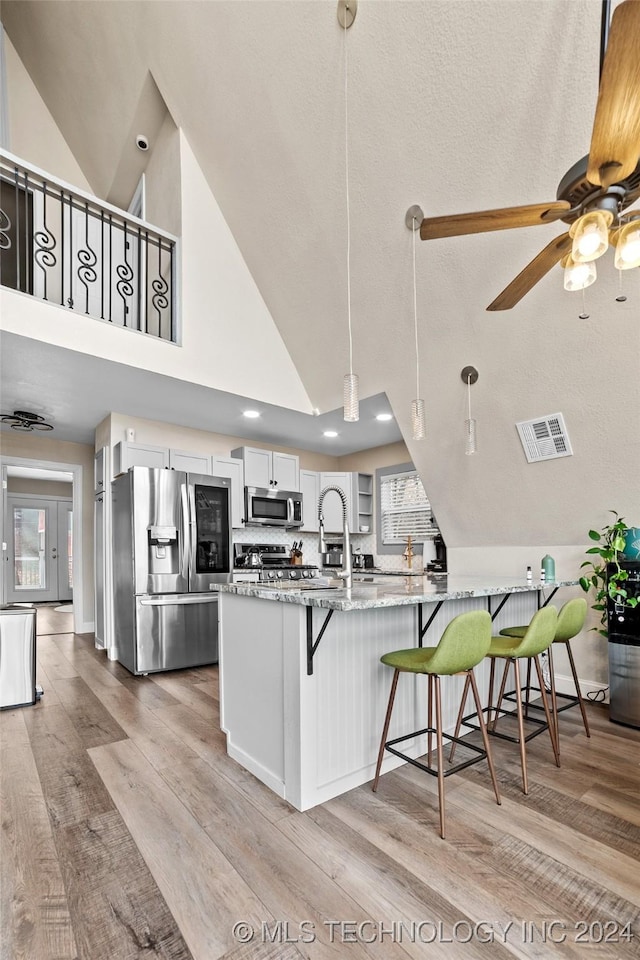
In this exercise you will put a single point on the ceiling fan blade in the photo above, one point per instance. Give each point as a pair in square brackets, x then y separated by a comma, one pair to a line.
[460, 224]
[534, 271]
[615, 139]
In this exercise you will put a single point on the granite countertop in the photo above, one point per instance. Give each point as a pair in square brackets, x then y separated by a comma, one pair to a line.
[408, 590]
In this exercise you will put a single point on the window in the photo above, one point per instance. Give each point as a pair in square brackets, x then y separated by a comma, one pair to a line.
[405, 509]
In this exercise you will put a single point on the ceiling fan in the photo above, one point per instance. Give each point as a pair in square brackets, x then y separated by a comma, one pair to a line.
[595, 190]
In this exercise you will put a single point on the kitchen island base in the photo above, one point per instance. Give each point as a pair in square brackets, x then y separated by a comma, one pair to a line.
[311, 737]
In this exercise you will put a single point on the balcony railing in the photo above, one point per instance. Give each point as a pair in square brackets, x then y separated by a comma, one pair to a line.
[69, 248]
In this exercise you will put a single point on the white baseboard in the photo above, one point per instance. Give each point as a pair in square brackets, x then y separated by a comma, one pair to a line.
[566, 685]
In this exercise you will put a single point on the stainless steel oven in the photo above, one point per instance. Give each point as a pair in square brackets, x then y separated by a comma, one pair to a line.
[272, 508]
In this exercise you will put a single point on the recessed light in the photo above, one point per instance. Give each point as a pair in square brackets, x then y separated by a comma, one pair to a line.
[251, 414]
[330, 433]
[384, 416]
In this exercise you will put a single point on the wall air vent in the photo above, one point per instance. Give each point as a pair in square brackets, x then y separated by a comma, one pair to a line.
[545, 438]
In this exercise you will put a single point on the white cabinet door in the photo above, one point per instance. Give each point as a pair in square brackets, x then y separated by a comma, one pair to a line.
[285, 471]
[189, 462]
[233, 469]
[269, 468]
[332, 506]
[99, 471]
[310, 489]
[257, 465]
[127, 455]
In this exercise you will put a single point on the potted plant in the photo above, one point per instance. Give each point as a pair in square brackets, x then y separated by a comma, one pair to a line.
[606, 575]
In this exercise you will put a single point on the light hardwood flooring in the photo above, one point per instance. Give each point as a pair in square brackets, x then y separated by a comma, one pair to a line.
[127, 832]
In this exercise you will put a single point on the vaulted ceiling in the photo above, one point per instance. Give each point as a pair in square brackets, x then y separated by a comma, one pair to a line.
[455, 106]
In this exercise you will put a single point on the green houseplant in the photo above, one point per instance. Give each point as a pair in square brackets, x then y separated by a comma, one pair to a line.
[610, 545]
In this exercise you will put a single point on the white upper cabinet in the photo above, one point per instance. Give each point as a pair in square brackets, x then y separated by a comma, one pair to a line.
[127, 455]
[269, 468]
[310, 489]
[358, 489]
[332, 505]
[189, 462]
[233, 468]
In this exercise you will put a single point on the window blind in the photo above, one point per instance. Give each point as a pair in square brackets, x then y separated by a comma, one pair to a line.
[405, 509]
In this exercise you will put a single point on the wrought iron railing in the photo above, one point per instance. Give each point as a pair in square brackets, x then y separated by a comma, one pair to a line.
[69, 248]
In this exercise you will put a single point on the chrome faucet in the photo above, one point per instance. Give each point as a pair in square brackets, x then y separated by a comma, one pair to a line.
[346, 573]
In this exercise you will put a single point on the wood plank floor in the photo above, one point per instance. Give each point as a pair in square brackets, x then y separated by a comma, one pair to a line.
[127, 832]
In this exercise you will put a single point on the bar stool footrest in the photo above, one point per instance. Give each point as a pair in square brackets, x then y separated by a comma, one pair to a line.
[572, 700]
[482, 753]
[542, 725]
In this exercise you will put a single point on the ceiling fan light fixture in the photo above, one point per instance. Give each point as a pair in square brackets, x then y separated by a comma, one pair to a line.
[628, 246]
[590, 235]
[578, 276]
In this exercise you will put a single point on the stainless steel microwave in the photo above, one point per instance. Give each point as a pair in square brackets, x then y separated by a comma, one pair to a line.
[272, 508]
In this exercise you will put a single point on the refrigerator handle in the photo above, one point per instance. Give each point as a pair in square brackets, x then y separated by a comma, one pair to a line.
[186, 531]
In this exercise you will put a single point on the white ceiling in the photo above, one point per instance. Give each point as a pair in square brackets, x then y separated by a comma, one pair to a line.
[455, 106]
[75, 392]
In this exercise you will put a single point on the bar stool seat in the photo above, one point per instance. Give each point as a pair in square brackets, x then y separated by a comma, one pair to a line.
[571, 620]
[537, 638]
[464, 643]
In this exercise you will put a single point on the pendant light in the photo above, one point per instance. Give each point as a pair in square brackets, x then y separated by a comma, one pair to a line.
[413, 219]
[469, 375]
[346, 15]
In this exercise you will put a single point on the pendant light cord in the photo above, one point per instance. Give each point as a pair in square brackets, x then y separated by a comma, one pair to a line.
[415, 309]
[469, 394]
[346, 169]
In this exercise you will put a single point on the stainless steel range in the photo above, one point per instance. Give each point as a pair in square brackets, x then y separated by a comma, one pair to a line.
[268, 561]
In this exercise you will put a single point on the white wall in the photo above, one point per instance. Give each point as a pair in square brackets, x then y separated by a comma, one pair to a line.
[33, 134]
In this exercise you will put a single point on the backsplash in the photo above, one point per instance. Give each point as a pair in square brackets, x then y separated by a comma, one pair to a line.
[310, 555]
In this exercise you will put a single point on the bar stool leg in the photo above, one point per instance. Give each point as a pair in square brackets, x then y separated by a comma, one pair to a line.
[547, 714]
[385, 730]
[429, 715]
[440, 754]
[502, 689]
[483, 728]
[528, 688]
[492, 674]
[523, 746]
[463, 701]
[575, 680]
[554, 701]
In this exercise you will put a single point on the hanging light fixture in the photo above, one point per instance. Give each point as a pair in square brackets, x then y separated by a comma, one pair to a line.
[346, 15]
[25, 422]
[469, 375]
[590, 235]
[413, 219]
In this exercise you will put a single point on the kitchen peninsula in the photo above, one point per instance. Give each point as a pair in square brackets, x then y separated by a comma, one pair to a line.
[302, 690]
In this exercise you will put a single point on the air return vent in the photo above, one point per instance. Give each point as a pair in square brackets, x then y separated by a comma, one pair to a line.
[545, 438]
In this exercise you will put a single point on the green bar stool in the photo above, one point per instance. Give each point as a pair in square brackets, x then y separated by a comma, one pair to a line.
[464, 643]
[537, 638]
[571, 620]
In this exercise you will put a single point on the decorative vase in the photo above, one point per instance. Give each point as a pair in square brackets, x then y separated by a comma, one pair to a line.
[549, 566]
[632, 543]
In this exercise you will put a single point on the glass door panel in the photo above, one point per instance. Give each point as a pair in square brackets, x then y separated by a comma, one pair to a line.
[211, 529]
[40, 550]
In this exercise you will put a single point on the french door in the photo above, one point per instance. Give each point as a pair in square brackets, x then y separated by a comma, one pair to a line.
[40, 549]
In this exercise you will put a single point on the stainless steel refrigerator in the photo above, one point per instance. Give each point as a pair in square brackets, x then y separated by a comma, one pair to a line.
[171, 547]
